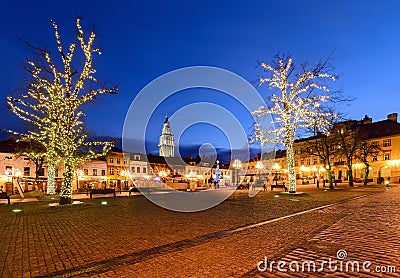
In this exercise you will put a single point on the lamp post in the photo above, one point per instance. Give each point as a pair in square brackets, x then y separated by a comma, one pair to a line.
[276, 167]
[124, 174]
[259, 167]
[237, 164]
[78, 174]
[314, 169]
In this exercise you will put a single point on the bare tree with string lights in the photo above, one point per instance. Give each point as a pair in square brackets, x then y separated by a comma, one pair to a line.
[299, 97]
[52, 106]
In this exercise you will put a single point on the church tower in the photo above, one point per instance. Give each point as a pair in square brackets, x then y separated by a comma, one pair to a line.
[166, 144]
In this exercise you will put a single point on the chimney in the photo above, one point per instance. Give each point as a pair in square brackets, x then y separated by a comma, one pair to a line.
[392, 117]
[366, 120]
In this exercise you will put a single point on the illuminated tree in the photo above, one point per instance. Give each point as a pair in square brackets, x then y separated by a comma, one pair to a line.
[53, 106]
[297, 102]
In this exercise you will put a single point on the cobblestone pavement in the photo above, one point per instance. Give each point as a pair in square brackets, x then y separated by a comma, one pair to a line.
[131, 237]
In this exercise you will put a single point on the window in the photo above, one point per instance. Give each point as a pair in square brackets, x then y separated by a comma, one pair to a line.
[386, 156]
[118, 171]
[124, 161]
[144, 170]
[118, 160]
[111, 171]
[374, 157]
[86, 172]
[301, 161]
[308, 161]
[387, 143]
[8, 171]
[27, 171]
[136, 157]
[94, 172]
[296, 163]
[26, 158]
[8, 157]
[133, 169]
[332, 148]
[375, 143]
[137, 169]
[111, 159]
[315, 161]
[103, 172]
[56, 173]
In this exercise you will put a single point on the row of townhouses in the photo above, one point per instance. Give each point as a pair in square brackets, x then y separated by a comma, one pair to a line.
[122, 170]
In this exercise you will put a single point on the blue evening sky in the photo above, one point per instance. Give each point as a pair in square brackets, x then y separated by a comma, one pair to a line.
[142, 40]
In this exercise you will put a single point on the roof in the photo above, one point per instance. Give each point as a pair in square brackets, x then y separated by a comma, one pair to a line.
[381, 129]
[13, 146]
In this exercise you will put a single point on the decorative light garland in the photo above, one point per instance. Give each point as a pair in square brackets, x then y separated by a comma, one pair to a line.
[296, 105]
[52, 107]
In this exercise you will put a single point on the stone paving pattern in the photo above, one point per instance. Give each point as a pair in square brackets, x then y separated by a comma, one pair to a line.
[131, 237]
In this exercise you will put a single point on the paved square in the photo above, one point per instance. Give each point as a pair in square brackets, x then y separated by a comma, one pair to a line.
[131, 237]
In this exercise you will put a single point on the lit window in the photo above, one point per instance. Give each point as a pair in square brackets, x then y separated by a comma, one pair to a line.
[386, 156]
[387, 142]
[86, 172]
[94, 172]
[375, 143]
[103, 172]
[144, 170]
[374, 158]
[111, 171]
[118, 171]
[111, 160]
[315, 161]
[137, 169]
[133, 169]
[118, 161]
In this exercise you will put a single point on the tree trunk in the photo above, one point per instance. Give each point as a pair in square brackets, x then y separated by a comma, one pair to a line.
[51, 178]
[66, 190]
[291, 171]
[366, 174]
[351, 182]
[330, 178]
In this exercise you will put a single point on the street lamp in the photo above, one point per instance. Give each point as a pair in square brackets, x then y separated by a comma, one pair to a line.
[237, 164]
[259, 166]
[314, 169]
[78, 174]
[124, 173]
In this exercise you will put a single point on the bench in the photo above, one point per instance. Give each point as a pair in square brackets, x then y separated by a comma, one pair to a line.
[102, 191]
[278, 185]
[4, 195]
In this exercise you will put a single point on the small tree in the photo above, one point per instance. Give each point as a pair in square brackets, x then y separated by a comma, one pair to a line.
[296, 103]
[53, 105]
[366, 151]
[36, 154]
[349, 136]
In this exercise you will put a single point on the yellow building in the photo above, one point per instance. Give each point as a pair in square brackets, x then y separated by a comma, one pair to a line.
[385, 165]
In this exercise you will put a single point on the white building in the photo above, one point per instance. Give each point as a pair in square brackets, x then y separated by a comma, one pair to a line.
[166, 144]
